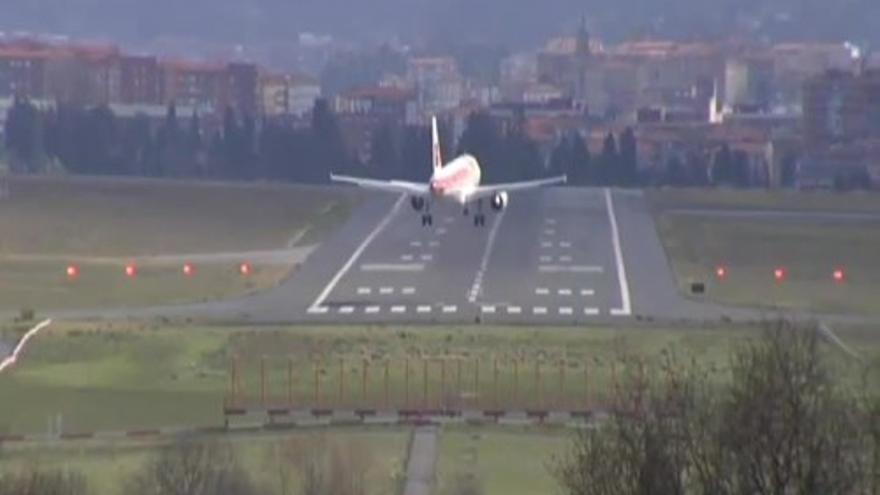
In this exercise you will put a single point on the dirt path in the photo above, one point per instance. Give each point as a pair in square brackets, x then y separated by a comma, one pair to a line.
[422, 461]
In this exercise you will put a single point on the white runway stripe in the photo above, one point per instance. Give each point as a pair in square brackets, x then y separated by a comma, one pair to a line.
[393, 267]
[546, 259]
[539, 310]
[588, 292]
[408, 291]
[570, 269]
[591, 311]
[565, 259]
[450, 309]
[626, 304]
[423, 309]
[564, 292]
[427, 257]
[407, 257]
[488, 309]
[364, 291]
[416, 244]
[318, 310]
[398, 309]
[346, 310]
[371, 310]
[514, 310]
[386, 291]
[566, 311]
[542, 291]
[565, 244]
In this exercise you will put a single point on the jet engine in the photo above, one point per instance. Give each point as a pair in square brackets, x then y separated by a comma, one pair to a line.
[418, 203]
[499, 201]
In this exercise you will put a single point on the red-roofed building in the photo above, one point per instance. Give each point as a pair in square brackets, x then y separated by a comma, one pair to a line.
[23, 71]
[140, 80]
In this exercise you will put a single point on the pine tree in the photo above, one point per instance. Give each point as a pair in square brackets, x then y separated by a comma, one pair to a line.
[609, 161]
[628, 160]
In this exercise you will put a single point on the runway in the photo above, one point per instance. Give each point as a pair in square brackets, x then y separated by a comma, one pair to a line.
[555, 256]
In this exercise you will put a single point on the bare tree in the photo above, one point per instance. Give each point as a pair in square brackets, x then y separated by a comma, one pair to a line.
[780, 423]
[192, 467]
[33, 481]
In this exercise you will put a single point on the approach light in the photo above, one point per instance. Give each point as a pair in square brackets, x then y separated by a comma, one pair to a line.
[244, 269]
[839, 275]
[72, 271]
[721, 272]
[131, 270]
[189, 270]
[779, 274]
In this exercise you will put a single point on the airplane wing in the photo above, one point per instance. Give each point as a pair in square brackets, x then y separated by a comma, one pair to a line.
[391, 186]
[486, 191]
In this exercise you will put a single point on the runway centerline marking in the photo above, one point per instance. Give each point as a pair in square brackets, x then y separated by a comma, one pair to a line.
[477, 286]
[357, 253]
[364, 291]
[626, 304]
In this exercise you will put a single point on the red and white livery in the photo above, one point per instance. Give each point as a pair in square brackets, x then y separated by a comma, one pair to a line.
[457, 181]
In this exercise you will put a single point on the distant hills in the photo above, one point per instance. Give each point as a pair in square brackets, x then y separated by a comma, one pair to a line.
[513, 22]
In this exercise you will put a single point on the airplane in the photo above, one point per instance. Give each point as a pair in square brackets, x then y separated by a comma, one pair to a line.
[457, 181]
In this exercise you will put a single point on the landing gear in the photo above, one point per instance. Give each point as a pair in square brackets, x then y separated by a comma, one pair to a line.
[427, 220]
[479, 217]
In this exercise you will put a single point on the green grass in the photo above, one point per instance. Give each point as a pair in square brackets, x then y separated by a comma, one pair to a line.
[752, 250]
[762, 199]
[113, 218]
[107, 465]
[125, 376]
[506, 462]
[102, 224]
[44, 285]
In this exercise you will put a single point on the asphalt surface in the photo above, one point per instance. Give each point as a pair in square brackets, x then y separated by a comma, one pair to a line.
[422, 461]
[6, 348]
[556, 256]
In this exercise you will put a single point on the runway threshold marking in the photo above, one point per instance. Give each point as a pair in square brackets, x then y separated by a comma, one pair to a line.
[357, 253]
[514, 310]
[318, 310]
[477, 286]
[539, 310]
[570, 269]
[591, 311]
[346, 310]
[386, 290]
[398, 309]
[566, 311]
[408, 291]
[423, 309]
[588, 292]
[564, 292]
[393, 267]
[488, 309]
[542, 291]
[371, 310]
[450, 309]
[364, 291]
[626, 304]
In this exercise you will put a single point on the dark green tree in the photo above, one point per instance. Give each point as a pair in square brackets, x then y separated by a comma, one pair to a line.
[628, 167]
[609, 161]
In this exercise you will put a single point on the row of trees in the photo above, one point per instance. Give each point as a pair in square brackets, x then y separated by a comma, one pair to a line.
[616, 165]
[781, 421]
[94, 141]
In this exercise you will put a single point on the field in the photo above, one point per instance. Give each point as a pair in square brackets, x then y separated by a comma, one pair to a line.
[126, 376]
[808, 250]
[108, 464]
[101, 225]
[802, 201]
[504, 462]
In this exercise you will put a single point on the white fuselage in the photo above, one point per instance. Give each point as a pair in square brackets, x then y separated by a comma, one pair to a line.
[456, 180]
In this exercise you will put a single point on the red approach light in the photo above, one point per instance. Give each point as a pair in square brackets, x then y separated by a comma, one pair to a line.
[72, 271]
[131, 270]
[721, 272]
[839, 275]
[779, 274]
[244, 269]
[189, 270]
